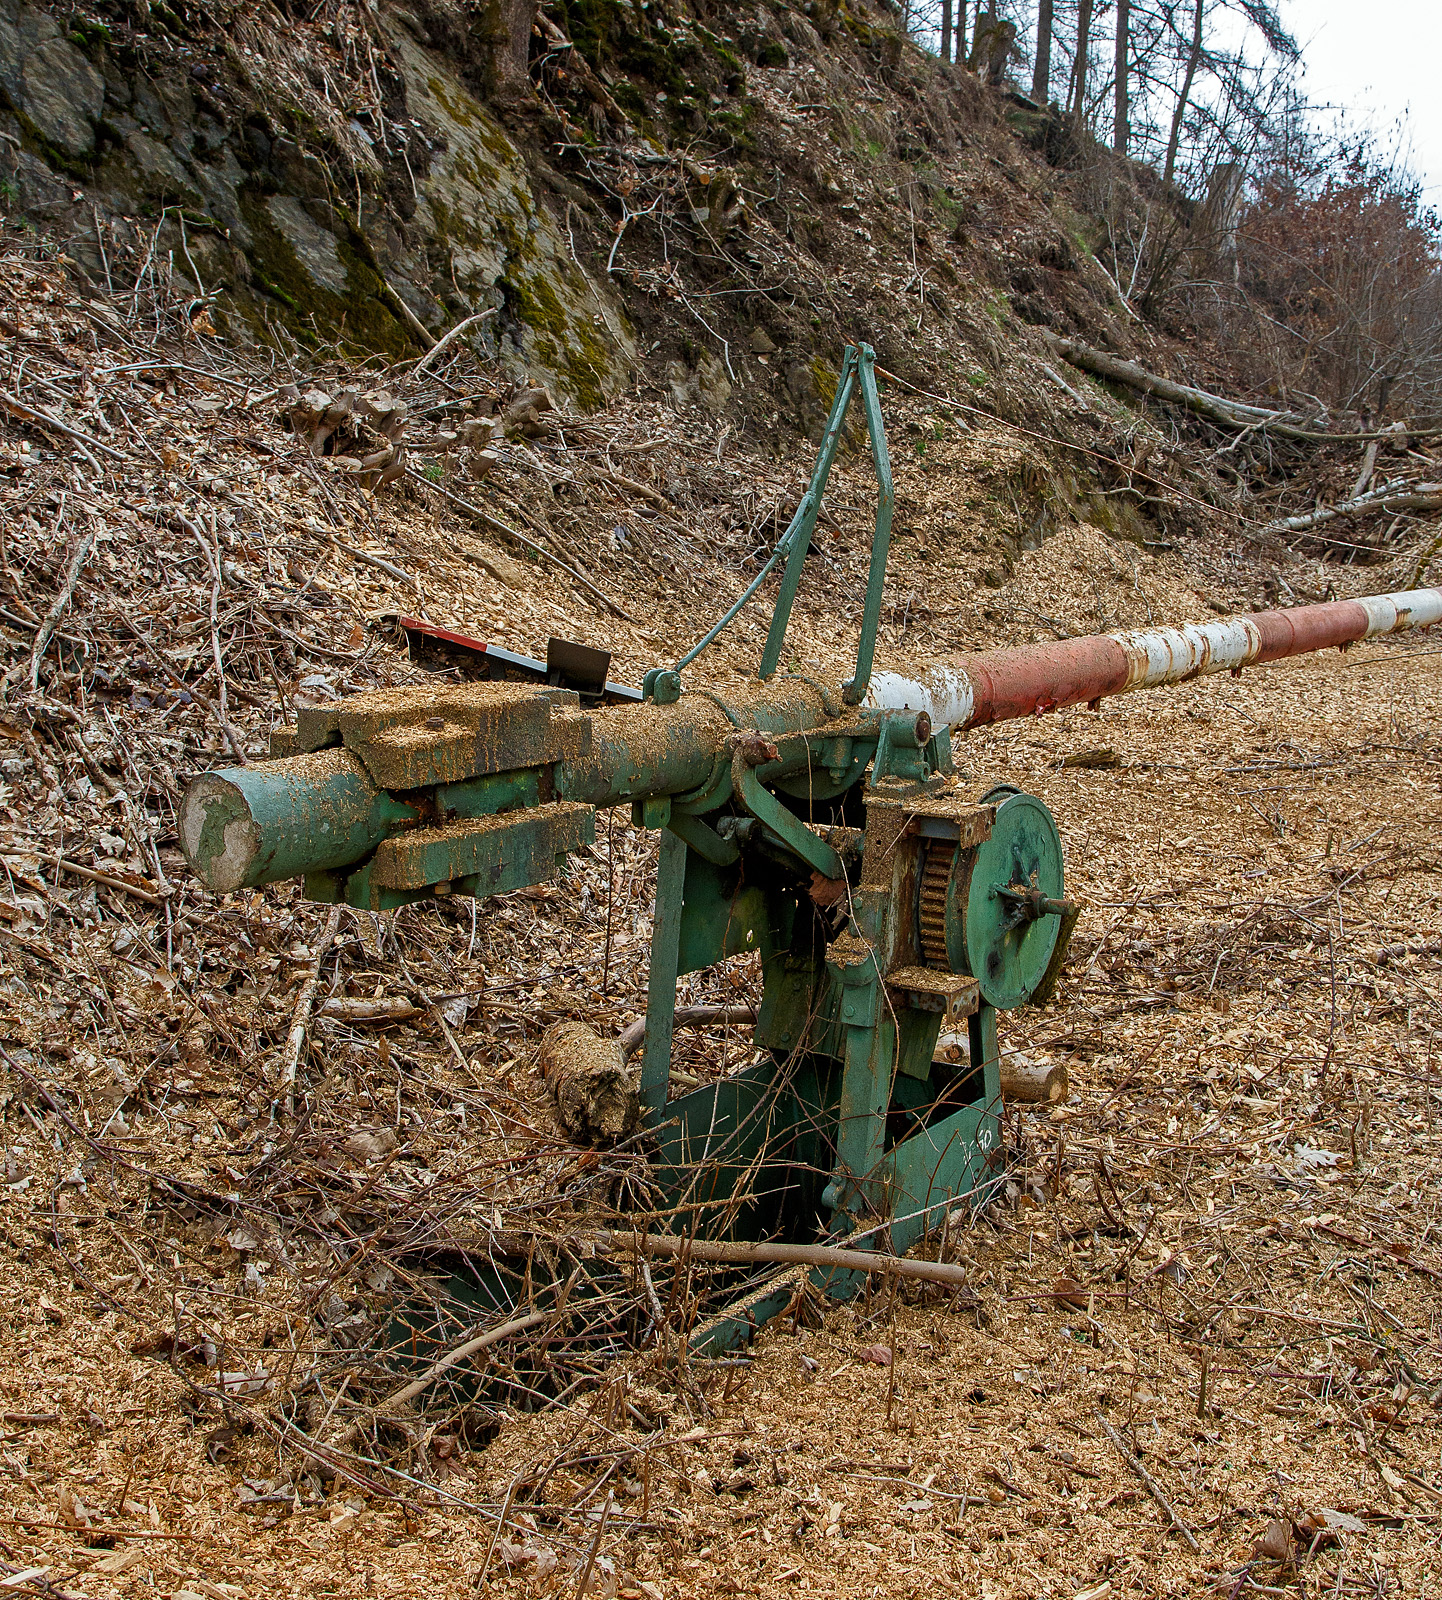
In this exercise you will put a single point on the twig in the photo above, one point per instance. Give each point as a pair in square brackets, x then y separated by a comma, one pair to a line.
[446, 340]
[102, 878]
[520, 538]
[585, 1579]
[43, 419]
[811, 1255]
[63, 599]
[497, 1531]
[630, 1040]
[422, 332]
[378, 562]
[462, 1352]
[303, 1007]
[1150, 1484]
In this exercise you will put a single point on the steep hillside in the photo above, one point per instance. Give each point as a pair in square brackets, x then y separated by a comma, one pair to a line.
[1197, 1349]
[740, 191]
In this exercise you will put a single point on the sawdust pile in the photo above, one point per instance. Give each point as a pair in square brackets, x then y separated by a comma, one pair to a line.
[1200, 1350]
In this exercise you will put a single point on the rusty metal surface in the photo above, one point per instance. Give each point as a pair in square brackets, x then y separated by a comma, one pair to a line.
[1029, 680]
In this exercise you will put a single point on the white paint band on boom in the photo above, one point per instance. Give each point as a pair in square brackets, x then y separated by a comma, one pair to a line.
[1169, 655]
[1417, 608]
[944, 693]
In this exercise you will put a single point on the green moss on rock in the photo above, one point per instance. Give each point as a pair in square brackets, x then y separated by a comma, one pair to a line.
[360, 318]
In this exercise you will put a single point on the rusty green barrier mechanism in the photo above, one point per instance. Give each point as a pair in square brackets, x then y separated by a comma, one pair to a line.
[817, 824]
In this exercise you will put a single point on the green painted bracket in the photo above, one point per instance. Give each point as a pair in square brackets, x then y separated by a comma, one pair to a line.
[803, 525]
[787, 827]
[858, 372]
[855, 691]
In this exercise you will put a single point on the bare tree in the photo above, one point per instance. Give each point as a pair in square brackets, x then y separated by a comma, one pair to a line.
[1121, 122]
[1041, 67]
[1194, 60]
[1081, 60]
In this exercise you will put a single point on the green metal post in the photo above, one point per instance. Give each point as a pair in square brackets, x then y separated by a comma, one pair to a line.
[981, 1036]
[810, 509]
[661, 985]
[855, 691]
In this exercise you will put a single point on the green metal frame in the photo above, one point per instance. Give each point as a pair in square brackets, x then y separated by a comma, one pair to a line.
[858, 373]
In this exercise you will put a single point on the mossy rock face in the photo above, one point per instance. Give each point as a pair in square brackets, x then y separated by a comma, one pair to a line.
[503, 248]
[326, 278]
[49, 83]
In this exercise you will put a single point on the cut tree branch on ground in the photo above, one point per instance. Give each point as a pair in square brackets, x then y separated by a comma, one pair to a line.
[741, 1254]
[1399, 495]
[446, 340]
[295, 1040]
[1217, 408]
[62, 600]
[462, 1352]
[696, 1016]
[1150, 1484]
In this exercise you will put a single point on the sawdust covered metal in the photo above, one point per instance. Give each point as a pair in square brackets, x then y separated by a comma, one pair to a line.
[818, 825]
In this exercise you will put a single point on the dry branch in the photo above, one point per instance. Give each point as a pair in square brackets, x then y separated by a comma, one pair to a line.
[103, 878]
[1150, 1484]
[1399, 495]
[43, 419]
[742, 1254]
[57, 610]
[389, 1008]
[1217, 408]
[295, 1040]
[446, 340]
[462, 1352]
[631, 1038]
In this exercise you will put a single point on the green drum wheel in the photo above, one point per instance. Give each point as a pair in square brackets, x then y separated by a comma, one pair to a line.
[1009, 927]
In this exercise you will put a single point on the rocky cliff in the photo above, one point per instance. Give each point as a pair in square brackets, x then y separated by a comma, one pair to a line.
[707, 200]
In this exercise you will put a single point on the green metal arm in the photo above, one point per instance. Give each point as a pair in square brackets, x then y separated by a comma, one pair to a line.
[804, 523]
[855, 691]
[858, 370]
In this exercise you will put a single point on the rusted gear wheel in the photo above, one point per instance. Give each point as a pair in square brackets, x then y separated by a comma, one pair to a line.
[931, 908]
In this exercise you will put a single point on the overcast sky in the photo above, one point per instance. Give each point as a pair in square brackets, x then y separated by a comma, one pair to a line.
[1381, 60]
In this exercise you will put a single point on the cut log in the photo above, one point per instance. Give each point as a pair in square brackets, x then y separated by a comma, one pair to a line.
[1235, 414]
[597, 1096]
[1033, 1082]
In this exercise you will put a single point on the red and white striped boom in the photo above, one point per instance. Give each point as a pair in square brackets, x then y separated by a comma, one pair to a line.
[967, 691]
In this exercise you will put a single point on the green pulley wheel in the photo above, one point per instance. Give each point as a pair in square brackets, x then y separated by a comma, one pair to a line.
[996, 911]
[1013, 902]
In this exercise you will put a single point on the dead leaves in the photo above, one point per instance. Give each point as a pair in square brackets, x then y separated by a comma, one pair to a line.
[370, 1144]
[1068, 1292]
